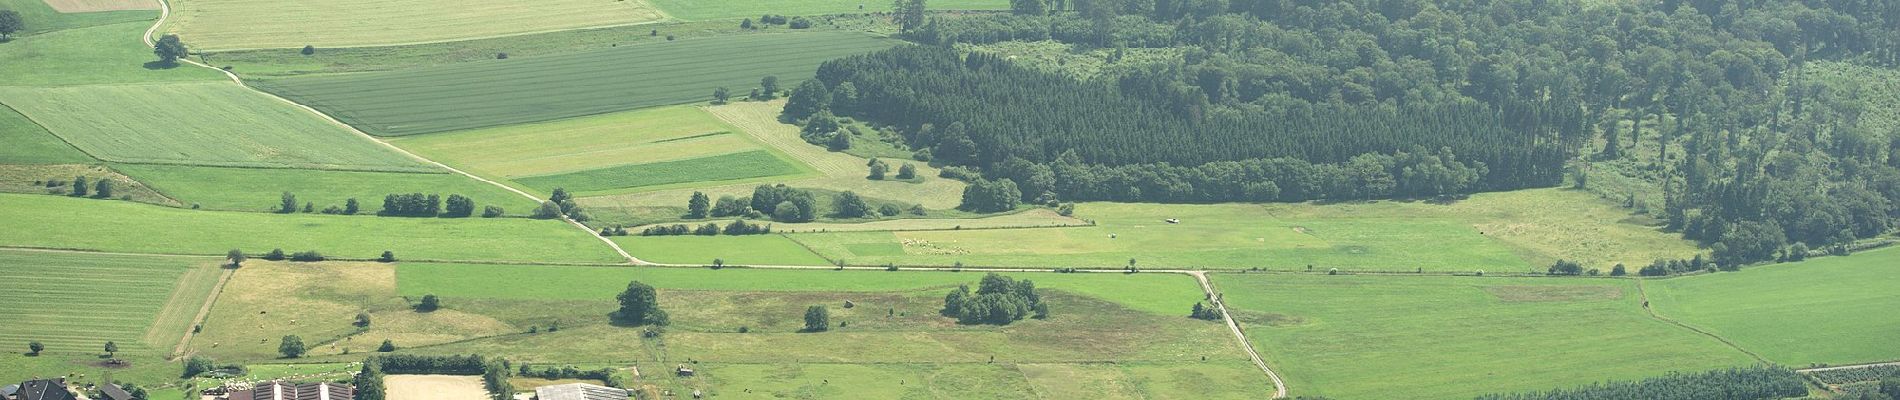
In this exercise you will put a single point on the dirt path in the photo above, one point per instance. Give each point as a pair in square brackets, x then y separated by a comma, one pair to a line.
[203, 312]
[1279, 387]
[1659, 317]
[1847, 367]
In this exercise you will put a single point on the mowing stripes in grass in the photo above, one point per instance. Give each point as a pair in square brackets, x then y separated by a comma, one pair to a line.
[735, 166]
[241, 24]
[214, 123]
[502, 92]
[77, 302]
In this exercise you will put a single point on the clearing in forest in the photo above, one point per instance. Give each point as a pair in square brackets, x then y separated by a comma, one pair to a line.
[1367, 336]
[213, 123]
[1832, 310]
[530, 89]
[245, 24]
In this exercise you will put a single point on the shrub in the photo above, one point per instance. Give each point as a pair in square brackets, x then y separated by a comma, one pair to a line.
[274, 255]
[307, 256]
[501, 56]
[491, 212]
[387, 346]
[429, 303]
[308, 50]
[388, 256]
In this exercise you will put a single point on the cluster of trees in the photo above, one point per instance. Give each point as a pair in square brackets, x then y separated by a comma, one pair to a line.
[1750, 383]
[783, 203]
[1205, 313]
[420, 205]
[988, 196]
[1678, 266]
[639, 305]
[237, 257]
[101, 189]
[604, 375]
[998, 300]
[560, 205]
[737, 227]
[199, 365]
[1566, 267]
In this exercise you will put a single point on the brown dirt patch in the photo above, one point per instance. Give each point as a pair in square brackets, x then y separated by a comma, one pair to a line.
[81, 6]
[434, 387]
[1554, 293]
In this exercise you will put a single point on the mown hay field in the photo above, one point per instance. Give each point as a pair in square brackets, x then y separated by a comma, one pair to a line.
[75, 303]
[241, 24]
[28, 143]
[105, 225]
[217, 123]
[695, 10]
[1833, 310]
[86, 6]
[503, 92]
[1369, 336]
[262, 189]
[42, 16]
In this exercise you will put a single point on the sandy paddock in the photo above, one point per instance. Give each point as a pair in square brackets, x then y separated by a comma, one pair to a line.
[434, 387]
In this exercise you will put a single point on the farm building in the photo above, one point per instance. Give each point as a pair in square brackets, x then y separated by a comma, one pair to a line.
[45, 389]
[114, 392]
[300, 391]
[579, 391]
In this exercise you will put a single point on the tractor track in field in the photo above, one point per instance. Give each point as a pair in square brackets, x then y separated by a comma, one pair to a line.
[1279, 386]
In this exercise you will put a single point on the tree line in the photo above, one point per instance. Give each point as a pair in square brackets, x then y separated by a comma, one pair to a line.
[1750, 383]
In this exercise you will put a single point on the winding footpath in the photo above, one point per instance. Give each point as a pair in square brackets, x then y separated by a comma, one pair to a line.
[1207, 287]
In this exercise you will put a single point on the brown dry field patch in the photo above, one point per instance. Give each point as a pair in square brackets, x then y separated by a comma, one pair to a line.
[434, 387]
[82, 6]
[1554, 293]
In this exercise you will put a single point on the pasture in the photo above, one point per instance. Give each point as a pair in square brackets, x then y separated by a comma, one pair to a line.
[608, 152]
[239, 24]
[518, 90]
[735, 250]
[104, 225]
[44, 16]
[261, 189]
[318, 302]
[28, 143]
[1832, 310]
[218, 124]
[75, 303]
[82, 55]
[1369, 336]
[696, 10]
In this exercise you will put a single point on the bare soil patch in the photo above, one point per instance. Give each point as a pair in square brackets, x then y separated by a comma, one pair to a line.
[1554, 293]
[434, 387]
[81, 6]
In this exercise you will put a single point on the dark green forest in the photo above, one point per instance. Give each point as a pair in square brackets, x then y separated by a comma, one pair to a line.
[1290, 100]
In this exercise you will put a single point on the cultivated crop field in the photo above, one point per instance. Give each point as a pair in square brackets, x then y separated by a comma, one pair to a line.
[501, 92]
[218, 124]
[68, 223]
[709, 169]
[75, 303]
[1833, 310]
[1360, 336]
[238, 24]
[261, 189]
[734, 9]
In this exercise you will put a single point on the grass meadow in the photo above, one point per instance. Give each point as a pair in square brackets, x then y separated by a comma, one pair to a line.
[103, 54]
[237, 24]
[28, 143]
[44, 18]
[219, 124]
[75, 303]
[261, 189]
[32, 178]
[117, 226]
[746, 166]
[503, 92]
[1368, 336]
[735, 250]
[696, 10]
[1832, 310]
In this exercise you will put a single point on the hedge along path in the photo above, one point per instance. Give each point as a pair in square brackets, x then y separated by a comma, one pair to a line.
[165, 12]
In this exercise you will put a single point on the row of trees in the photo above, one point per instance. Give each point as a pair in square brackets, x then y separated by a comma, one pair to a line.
[998, 300]
[736, 227]
[101, 189]
[1751, 383]
[398, 205]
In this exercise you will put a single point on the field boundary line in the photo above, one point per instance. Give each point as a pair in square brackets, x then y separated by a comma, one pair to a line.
[1848, 367]
[1644, 293]
[165, 12]
[204, 312]
[62, 139]
[1279, 386]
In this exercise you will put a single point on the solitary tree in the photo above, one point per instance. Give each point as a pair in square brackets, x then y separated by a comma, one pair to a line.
[638, 305]
[291, 347]
[10, 22]
[35, 347]
[79, 187]
[112, 349]
[351, 207]
[103, 189]
[387, 346]
[721, 95]
[698, 206]
[429, 303]
[236, 257]
[169, 50]
[769, 84]
[849, 205]
[878, 169]
[288, 204]
[362, 320]
[308, 50]
[907, 171]
[817, 319]
[388, 256]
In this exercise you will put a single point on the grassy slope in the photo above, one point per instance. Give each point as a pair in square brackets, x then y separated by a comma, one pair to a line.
[91, 55]
[32, 179]
[746, 166]
[200, 123]
[28, 143]
[1457, 337]
[104, 225]
[237, 24]
[41, 18]
[517, 90]
[1833, 310]
[257, 189]
[734, 9]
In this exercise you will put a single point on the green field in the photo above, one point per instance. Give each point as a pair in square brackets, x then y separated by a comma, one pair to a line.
[734, 9]
[1833, 310]
[28, 143]
[709, 169]
[238, 24]
[105, 225]
[43, 18]
[219, 124]
[261, 189]
[89, 55]
[75, 303]
[735, 250]
[1356, 337]
[503, 92]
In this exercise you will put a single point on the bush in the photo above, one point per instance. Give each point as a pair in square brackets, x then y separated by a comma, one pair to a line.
[388, 256]
[429, 303]
[800, 23]
[308, 50]
[307, 256]
[491, 212]
[274, 255]
[387, 346]
[501, 56]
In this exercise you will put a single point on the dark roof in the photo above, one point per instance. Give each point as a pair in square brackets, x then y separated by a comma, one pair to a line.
[580, 391]
[275, 390]
[114, 392]
[45, 389]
